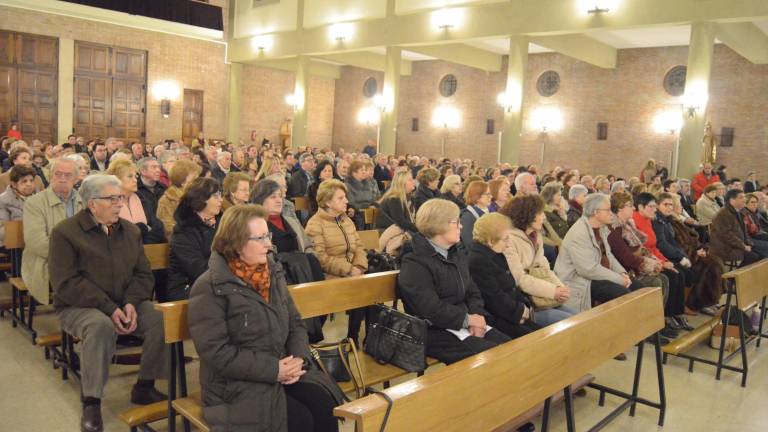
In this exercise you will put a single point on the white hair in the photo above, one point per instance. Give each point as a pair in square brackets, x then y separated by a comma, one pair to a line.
[93, 185]
[593, 203]
[520, 178]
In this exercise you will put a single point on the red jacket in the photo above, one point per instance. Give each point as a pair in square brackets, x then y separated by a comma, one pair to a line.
[700, 181]
[646, 227]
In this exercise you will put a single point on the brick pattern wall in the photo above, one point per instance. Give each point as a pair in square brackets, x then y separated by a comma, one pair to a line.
[348, 133]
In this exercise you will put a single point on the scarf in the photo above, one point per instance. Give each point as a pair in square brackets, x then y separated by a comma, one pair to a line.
[576, 207]
[257, 277]
[636, 239]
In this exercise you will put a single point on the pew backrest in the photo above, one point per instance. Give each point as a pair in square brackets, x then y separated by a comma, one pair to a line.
[370, 239]
[175, 325]
[301, 203]
[487, 390]
[14, 234]
[750, 282]
[158, 255]
[337, 295]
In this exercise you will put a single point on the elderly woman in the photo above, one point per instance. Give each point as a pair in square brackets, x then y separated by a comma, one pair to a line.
[500, 195]
[197, 218]
[436, 285]
[428, 178]
[12, 199]
[152, 229]
[478, 198]
[182, 173]
[323, 171]
[556, 222]
[707, 206]
[451, 190]
[362, 189]
[512, 310]
[585, 262]
[236, 188]
[255, 367]
[576, 197]
[396, 205]
[527, 262]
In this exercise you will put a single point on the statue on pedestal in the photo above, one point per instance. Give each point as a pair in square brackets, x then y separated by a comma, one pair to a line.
[710, 145]
[285, 133]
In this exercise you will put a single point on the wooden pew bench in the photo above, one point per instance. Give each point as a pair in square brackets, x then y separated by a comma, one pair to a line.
[487, 391]
[370, 239]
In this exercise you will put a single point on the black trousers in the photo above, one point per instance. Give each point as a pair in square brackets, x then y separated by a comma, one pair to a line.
[515, 330]
[675, 304]
[310, 408]
[447, 348]
[750, 257]
[605, 291]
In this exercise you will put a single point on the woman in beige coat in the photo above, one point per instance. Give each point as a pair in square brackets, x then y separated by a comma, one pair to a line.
[525, 251]
[181, 174]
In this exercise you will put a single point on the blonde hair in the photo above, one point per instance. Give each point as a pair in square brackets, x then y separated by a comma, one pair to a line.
[489, 227]
[449, 182]
[397, 188]
[180, 170]
[233, 232]
[232, 181]
[120, 168]
[326, 190]
[266, 168]
[434, 216]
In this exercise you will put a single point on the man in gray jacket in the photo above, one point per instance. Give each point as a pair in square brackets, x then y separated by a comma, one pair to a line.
[585, 262]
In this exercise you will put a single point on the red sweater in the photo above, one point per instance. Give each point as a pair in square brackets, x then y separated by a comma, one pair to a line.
[700, 181]
[646, 227]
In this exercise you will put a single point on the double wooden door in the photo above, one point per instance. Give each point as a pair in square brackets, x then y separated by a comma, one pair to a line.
[110, 91]
[29, 84]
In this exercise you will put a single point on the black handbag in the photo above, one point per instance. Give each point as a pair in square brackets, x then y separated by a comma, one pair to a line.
[396, 338]
[333, 359]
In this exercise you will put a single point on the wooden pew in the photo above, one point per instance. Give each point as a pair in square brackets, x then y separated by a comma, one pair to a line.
[22, 303]
[486, 391]
[370, 239]
[369, 215]
[301, 203]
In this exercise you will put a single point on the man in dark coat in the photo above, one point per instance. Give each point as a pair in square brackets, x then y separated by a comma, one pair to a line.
[728, 239]
[149, 187]
[102, 286]
[299, 183]
[381, 172]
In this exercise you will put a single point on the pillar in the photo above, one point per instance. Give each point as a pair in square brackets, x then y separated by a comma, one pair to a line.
[391, 91]
[513, 117]
[700, 53]
[301, 96]
[65, 123]
[235, 86]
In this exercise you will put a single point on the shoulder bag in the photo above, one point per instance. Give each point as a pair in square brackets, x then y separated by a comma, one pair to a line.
[396, 338]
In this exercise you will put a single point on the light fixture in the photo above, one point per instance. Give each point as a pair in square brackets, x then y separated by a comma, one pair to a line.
[262, 43]
[165, 91]
[340, 32]
[446, 19]
[668, 122]
[446, 117]
[510, 101]
[165, 108]
[695, 98]
[369, 116]
[379, 102]
[295, 101]
[547, 119]
[598, 7]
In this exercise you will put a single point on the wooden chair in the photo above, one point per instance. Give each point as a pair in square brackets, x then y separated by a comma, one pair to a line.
[22, 303]
[369, 216]
[370, 239]
[485, 392]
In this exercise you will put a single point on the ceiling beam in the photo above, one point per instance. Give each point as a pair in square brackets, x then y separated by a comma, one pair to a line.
[366, 60]
[580, 47]
[318, 69]
[746, 39]
[463, 55]
[495, 20]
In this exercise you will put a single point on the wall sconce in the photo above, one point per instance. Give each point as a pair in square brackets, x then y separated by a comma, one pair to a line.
[509, 101]
[695, 98]
[369, 116]
[262, 43]
[598, 7]
[340, 32]
[446, 117]
[446, 19]
[165, 91]
[668, 122]
[547, 119]
[295, 101]
[165, 108]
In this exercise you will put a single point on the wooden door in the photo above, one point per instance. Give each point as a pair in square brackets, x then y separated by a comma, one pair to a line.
[37, 104]
[128, 109]
[192, 120]
[92, 110]
[8, 106]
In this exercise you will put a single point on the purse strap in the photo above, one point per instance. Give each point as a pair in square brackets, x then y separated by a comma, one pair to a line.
[359, 387]
[390, 403]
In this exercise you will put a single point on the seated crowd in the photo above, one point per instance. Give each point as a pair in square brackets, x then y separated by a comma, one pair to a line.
[486, 254]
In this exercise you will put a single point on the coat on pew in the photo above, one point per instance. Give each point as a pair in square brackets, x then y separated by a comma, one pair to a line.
[240, 339]
[190, 249]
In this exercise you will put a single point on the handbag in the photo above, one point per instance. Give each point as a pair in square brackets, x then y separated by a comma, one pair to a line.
[544, 274]
[333, 359]
[396, 338]
[392, 239]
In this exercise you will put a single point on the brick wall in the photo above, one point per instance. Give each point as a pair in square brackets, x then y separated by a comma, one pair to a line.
[348, 133]
[628, 98]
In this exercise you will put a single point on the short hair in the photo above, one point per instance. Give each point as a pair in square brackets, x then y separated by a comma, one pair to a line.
[427, 176]
[710, 188]
[522, 210]
[222, 154]
[449, 182]
[121, 168]
[617, 184]
[195, 197]
[263, 189]
[749, 196]
[356, 165]
[433, 216]
[326, 190]
[17, 151]
[643, 199]
[667, 183]
[495, 186]
[474, 191]
[550, 190]
[489, 227]
[166, 156]
[233, 232]
[576, 191]
[55, 163]
[732, 194]
[92, 185]
[519, 179]
[232, 181]
[593, 203]
[665, 196]
[143, 162]
[305, 156]
[21, 171]
[181, 170]
[619, 200]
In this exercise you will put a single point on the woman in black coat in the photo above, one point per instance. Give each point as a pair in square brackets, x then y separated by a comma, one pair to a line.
[511, 309]
[435, 285]
[427, 188]
[197, 218]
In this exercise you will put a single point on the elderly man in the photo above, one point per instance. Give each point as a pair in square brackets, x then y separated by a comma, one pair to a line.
[42, 212]
[137, 151]
[342, 169]
[102, 286]
[585, 262]
[525, 184]
[223, 166]
[149, 188]
[302, 178]
[728, 238]
[702, 179]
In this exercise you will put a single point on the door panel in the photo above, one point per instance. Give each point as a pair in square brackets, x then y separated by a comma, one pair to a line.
[92, 106]
[192, 119]
[91, 59]
[7, 48]
[8, 106]
[128, 109]
[37, 104]
[38, 52]
[130, 64]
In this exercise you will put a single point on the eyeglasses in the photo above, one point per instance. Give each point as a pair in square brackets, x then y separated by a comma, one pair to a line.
[113, 199]
[263, 239]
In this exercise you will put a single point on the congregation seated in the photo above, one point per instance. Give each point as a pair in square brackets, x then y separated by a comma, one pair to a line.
[149, 188]
[362, 189]
[728, 239]
[102, 285]
[435, 284]
[325, 170]
[427, 180]
[20, 155]
[396, 205]
[289, 208]
[477, 195]
[555, 222]
[12, 200]
[525, 184]
[236, 189]
[500, 195]
[585, 262]
[132, 210]
[707, 206]
[451, 190]
[197, 218]
[182, 173]
[576, 197]
[528, 264]
[222, 166]
[256, 371]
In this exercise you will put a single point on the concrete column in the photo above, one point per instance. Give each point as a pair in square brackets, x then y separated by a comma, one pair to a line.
[700, 55]
[66, 89]
[388, 140]
[301, 95]
[513, 117]
[235, 86]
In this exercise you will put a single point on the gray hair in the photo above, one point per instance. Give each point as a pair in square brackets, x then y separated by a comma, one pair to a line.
[222, 154]
[166, 156]
[576, 191]
[683, 181]
[143, 162]
[617, 184]
[305, 156]
[55, 163]
[550, 190]
[93, 185]
[593, 203]
[276, 177]
[519, 180]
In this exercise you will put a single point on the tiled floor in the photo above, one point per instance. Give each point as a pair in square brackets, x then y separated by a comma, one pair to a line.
[33, 397]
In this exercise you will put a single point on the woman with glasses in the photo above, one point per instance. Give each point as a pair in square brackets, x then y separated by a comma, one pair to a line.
[255, 369]
[478, 197]
[197, 219]
[152, 229]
